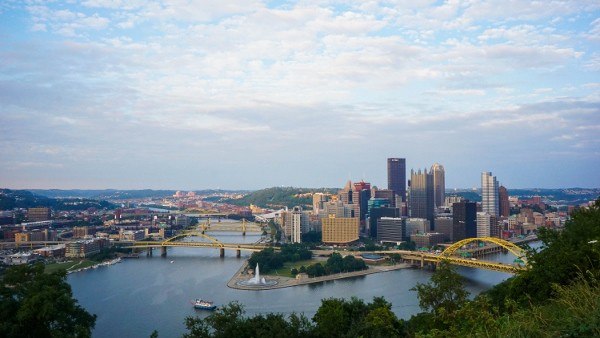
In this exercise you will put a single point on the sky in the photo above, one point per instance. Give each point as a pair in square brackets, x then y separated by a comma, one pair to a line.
[247, 94]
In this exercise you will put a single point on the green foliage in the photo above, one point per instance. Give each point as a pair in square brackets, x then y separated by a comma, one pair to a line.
[575, 312]
[445, 292]
[336, 264]
[312, 237]
[563, 256]
[229, 321]
[278, 197]
[10, 199]
[35, 304]
[268, 259]
[410, 245]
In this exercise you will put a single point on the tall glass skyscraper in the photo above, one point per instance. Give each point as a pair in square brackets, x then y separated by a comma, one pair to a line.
[439, 184]
[489, 194]
[396, 170]
[421, 196]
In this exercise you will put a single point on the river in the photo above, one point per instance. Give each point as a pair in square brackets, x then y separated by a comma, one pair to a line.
[137, 296]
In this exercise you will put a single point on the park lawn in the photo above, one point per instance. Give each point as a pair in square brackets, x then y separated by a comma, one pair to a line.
[76, 264]
[287, 266]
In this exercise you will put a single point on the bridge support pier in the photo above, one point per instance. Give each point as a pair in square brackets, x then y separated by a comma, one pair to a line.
[243, 233]
[422, 262]
[163, 251]
[238, 253]
[149, 252]
[221, 252]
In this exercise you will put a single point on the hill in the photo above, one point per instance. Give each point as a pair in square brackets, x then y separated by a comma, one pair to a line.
[278, 197]
[10, 199]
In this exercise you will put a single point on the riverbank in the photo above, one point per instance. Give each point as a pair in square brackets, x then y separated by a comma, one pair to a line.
[81, 265]
[286, 282]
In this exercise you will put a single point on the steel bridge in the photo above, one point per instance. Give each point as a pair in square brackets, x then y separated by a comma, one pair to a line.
[449, 255]
[211, 243]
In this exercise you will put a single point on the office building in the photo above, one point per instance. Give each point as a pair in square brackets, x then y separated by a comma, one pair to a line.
[439, 184]
[464, 217]
[445, 225]
[417, 226]
[318, 200]
[427, 240]
[504, 205]
[487, 225]
[345, 195]
[38, 214]
[294, 223]
[377, 213]
[391, 229]
[489, 194]
[421, 196]
[340, 230]
[387, 194]
[360, 197]
[396, 170]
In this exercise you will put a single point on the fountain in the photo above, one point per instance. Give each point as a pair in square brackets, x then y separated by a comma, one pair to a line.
[257, 281]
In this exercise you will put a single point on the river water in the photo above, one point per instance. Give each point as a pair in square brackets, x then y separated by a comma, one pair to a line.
[137, 296]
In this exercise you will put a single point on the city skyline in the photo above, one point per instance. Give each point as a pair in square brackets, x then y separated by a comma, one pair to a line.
[247, 95]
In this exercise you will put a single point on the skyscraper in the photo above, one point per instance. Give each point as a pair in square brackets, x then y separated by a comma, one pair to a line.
[464, 217]
[396, 170]
[489, 194]
[503, 203]
[421, 196]
[360, 197]
[439, 184]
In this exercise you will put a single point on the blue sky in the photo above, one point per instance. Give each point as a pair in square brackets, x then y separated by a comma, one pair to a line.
[250, 94]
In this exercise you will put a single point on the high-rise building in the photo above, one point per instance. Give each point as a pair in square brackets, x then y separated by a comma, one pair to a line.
[318, 200]
[295, 222]
[38, 214]
[340, 230]
[360, 197]
[439, 184]
[396, 170]
[421, 196]
[445, 225]
[345, 195]
[504, 205]
[391, 229]
[378, 212]
[487, 225]
[387, 194]
[489, 194]
[464, 217]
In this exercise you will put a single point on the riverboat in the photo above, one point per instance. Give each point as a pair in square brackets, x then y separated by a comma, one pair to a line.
[203, 305]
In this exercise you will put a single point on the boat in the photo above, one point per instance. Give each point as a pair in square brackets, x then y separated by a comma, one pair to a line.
[203, 305]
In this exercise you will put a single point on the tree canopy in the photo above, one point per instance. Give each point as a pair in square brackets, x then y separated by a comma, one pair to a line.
[35, 304]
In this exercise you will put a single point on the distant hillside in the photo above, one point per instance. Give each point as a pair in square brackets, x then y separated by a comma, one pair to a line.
[10, 199]
[278, 197]
[116, 194]
[571, 196]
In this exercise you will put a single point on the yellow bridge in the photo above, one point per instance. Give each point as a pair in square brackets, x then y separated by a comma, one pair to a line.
[211, 243]
[424, 258]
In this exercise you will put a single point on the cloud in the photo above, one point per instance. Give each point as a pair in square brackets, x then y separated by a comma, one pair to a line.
[131, 81]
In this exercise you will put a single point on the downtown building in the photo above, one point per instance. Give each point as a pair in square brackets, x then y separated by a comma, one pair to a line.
[396, 175]
[503, 203]
[464, 219]
[340, 230]
[439, 185]
[489, 194]
[421, 199]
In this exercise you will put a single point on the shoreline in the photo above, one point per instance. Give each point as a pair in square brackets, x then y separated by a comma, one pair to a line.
[286, 282]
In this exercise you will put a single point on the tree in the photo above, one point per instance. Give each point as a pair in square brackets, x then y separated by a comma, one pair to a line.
[563, 256]
[35, 304]
[445, 292]
[229, 321]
